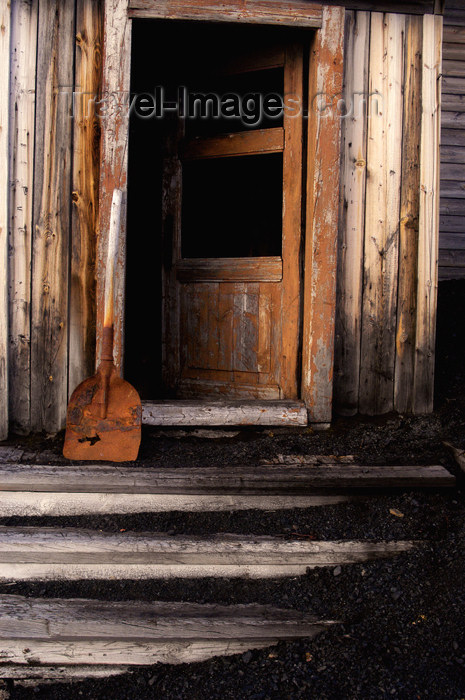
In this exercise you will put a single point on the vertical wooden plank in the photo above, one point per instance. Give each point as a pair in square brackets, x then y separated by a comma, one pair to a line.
[213, 327]
[114, 157]
[4, 152]
[52, 180]
[22, 116]
[86, 171]
[264, 333]
[429, 215]
[352, 214]
[225, 325]
[325, 76]
[409, 212]
[245, 327]
[382, 214]
[291, 241]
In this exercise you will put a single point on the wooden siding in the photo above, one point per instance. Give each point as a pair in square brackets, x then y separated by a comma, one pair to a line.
[22, 138]
[386, 269]
[4, 186]
[385, 331]
[53, 195]
[452, 208]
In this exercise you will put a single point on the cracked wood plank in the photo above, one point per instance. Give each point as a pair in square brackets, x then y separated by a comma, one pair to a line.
[4, 191]
[36, 618]
[22, 116]
[27, 504]
[428, 216]
[246, 479]
[116, 70]
[409, 215]
[323, 168]
[352, 215]
[224, 412]
[378, 346]
[85, 184]
[70, 554]
[295, 14]
[51, 218]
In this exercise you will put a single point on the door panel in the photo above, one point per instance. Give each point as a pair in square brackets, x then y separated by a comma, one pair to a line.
[231, 325]
[226, 327]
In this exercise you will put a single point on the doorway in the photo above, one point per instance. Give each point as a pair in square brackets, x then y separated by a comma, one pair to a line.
[214, 242]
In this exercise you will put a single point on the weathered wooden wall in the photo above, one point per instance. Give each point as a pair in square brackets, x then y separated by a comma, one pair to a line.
[386, 291]
[387, 274]
[452, 214]
[52, 205]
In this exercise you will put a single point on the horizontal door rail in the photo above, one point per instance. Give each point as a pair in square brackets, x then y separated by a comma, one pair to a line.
[242, 143]
[259, 269]
[293, 13]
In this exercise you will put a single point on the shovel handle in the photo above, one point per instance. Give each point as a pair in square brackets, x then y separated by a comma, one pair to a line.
[112, 255]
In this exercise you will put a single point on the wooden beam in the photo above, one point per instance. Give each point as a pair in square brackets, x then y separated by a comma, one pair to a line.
[258, 269]
[85, 183]
[114, 159]
[326, 76]
[4, 215]
[428, 216]
[51, 216]
[59, 503]
[295, 13]
[80, 637]
[376, 394]
[22, 117]
[224, 413]
[242, 143]
[70, 554]
[352, 214]
[267, 480]
[163, 621]
[409, 213]
[124, 653]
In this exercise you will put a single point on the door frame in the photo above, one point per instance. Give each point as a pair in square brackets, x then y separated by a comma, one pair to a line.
[323, 163]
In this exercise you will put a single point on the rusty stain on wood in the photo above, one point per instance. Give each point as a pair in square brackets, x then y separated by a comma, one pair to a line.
[295, 13]
[259, 269]
[235, 144]
[326, 75]
[116, 70]
[85, 194]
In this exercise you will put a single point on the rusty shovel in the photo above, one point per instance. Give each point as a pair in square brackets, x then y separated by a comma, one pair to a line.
[104, 412]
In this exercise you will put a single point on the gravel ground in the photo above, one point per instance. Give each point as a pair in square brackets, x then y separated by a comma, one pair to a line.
[403, 632]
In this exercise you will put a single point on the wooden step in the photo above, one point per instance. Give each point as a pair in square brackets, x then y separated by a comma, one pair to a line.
[91, 632]
[223, 413]
[28, 490]
[30, 553]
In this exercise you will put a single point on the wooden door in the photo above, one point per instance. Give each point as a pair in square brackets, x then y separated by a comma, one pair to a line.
[231, 322]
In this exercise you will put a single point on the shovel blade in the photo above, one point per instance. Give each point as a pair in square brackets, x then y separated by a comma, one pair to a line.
[114, 438]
